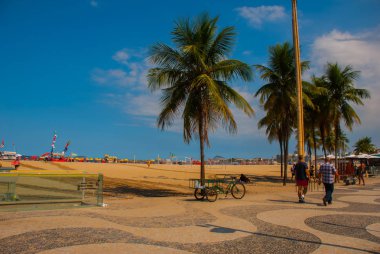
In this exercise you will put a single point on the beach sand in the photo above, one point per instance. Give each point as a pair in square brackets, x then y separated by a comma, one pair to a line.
[121, 180]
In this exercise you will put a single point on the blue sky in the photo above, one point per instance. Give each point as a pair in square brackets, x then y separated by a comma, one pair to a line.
[78, 68]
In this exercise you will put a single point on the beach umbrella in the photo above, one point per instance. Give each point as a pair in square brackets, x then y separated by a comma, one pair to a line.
[370, 156]
[362, 156]
[366, 156]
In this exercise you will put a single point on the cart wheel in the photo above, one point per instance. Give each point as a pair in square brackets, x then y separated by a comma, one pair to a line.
[211, 195]
[199, 194]
[238, 190]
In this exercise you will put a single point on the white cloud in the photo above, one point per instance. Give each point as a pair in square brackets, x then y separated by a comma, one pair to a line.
[146, 104]
[115, 77]
[122, 56]
[256, 16]
[136, 100]
[131, 74]
[94, 3]
[362, 51]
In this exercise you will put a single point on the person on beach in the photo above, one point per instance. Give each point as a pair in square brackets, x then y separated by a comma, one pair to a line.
[292, 170]
[350, 170]
[312, 173]
[326, 175]
[302, 178]
[361, 171]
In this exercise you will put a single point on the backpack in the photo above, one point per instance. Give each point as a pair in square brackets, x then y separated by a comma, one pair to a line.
[244, 179]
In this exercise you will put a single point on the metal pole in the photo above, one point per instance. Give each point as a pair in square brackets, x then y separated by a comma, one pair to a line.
[300, 130]
[99, 191]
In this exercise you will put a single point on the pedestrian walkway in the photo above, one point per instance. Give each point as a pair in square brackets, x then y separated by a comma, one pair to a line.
[271, 223]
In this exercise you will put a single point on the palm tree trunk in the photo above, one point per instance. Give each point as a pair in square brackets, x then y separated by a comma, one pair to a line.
[309, 153]
[202, 142]
[336, 148]
[322, 131]
[286, 154]
[286, 144]
[315, 150]
[281, 158]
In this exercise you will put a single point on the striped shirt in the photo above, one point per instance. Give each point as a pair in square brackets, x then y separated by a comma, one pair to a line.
[328, 172]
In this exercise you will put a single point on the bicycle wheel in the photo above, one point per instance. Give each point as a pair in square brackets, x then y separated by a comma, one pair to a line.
[199, 194]
[211, 195]
[238, 190]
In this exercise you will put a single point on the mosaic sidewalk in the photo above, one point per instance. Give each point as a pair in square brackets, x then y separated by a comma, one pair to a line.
[273, 223]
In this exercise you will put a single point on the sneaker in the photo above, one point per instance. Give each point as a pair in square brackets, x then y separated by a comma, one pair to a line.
[324, 202]
[301, 201]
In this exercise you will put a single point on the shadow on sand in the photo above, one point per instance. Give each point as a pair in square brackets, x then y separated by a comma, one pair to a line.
[142, 192]
[121, 187]
[270, 179]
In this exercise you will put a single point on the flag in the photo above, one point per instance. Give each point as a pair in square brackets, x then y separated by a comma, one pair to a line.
[54, 139]
[53, 145]
[66, 147]
[2, 144]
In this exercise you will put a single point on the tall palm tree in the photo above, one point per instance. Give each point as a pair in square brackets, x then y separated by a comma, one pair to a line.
[194, 78]
[320, 115]
[278, 95]
[340, 82]
[311, 117]
[364, 145]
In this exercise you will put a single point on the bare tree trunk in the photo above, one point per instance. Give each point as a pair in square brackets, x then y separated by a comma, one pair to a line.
[202, 141]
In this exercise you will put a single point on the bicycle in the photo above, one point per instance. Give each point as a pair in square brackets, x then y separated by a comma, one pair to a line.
[200, 191]
[235, 187]
[213, 187]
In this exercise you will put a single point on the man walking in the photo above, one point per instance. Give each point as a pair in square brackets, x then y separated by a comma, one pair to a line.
[327, 173]
[302, 178]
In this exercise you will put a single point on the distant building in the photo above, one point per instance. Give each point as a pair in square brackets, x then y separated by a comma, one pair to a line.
[7, 155]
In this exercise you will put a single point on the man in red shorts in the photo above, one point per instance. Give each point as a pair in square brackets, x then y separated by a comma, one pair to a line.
[302, 178]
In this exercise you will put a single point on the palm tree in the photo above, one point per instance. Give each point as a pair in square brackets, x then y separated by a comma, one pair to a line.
[278, 96]
[316, 93]
[364, 145]
[194, 78]
[320, 115]
[339, 82]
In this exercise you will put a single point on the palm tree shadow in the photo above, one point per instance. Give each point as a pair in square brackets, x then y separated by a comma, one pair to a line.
[268, 179]
[226, 230]
[142, 192]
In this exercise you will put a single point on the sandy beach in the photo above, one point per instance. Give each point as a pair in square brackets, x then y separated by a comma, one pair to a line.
[161, 179]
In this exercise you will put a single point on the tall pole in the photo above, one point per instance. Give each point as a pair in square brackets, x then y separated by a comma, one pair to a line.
[296, 46]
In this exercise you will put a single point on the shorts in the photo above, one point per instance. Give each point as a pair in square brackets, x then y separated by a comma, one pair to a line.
[303, 182]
